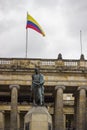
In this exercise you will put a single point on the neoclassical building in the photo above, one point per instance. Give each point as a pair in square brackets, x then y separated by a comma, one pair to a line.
[65, 91]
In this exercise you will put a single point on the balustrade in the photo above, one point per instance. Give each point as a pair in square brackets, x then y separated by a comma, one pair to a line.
[42, 63]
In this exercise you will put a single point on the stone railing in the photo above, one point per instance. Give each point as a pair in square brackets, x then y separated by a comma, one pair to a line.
[68, 102]
[22, 63]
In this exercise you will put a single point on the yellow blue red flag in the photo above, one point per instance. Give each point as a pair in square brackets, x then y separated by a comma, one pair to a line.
[32, 23]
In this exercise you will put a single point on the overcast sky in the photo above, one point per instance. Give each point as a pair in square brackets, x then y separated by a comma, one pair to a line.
[61, 21]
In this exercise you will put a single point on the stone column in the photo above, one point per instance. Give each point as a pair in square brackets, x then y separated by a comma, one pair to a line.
[18, 117]
[14, 108]
[2, 120]
[76, 106]
[64, 121]
[58, 110]
[86, 112]
[82, 109]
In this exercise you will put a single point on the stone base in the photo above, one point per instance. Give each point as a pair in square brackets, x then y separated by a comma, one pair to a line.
[38, 118]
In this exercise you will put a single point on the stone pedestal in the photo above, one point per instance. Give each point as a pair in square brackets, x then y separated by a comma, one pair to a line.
[38, 118]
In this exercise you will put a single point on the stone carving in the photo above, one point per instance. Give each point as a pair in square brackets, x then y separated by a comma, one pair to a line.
[37, 87]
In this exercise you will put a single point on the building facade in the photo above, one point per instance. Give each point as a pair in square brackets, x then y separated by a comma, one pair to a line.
[65, 91]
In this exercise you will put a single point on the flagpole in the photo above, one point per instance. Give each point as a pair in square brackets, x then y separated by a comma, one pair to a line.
[81, 40]
[26, 39]
[26, 42]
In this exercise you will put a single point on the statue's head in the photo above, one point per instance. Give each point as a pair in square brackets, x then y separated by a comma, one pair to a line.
[36, 70]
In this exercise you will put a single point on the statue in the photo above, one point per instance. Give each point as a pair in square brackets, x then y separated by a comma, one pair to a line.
[37, 88]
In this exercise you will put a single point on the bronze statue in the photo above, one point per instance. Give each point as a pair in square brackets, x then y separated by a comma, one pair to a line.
[37, 88]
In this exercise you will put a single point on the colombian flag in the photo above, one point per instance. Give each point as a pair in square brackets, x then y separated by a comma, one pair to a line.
[32, 23]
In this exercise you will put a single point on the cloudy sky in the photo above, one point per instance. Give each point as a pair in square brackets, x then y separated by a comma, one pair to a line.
[61, 21]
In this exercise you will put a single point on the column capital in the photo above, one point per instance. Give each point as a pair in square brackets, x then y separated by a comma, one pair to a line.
[14, 85]
[60, 86]
[82, 87]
